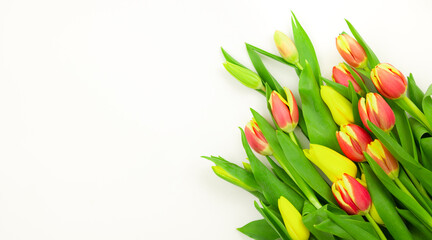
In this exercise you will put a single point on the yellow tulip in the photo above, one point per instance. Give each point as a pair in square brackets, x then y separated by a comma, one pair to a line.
[374, 214]
[330, 162]
[292, 220]
[340, 108]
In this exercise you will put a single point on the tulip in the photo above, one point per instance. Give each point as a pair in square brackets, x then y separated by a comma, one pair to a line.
[375, 109]
[330, 162]
[352, 197]
[340, 107]
[384, 158]
[222, 173]
[286, 48]
[353, 140]
[285, 112]
[343, 76]
[374, 214]
[351, 51]
[256, 139]
[292, 220]
[389, 81]
[245, 76]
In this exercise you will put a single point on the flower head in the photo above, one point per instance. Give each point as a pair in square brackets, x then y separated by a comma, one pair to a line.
[389, 81]
[375, 109]
[352, 197]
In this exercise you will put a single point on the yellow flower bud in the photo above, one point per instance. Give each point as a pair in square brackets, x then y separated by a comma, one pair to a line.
[292, 220]
[330, 162]
[340, 107]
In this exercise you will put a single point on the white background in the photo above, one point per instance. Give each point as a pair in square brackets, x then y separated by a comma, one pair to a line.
[107, 106]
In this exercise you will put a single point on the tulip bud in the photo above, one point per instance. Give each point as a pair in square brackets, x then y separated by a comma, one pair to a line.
[256, 139]
[389, 81]
[286, 48]
[285, 112]
[343, 76]
[374, 214]
[351, 195]
[375, 109]
[353, 140]
[384, 158]
[340, 107]
[245, 76]
[351, 51]
[292, 220]
[222, 173]
[330, 162]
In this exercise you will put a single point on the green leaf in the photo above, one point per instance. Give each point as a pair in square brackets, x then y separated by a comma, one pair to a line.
[271, 186]
[319, 121]
[424, 141]
[354, 101]
[305, 49]
[270, 135]
[259, 230]
[404, 198]
[385, 206]
[427, 104]
[357, 229]
[403, 128]
[372, 58]
[423, 174]
[302, 123]
[263, 72]
[330, 227]
[237, 172]
[414, 93]
[284, 177]
[415, 223]
[357, 78]
[313, 217]
[406, 181]
[230, 59]
[270, 55]
[304, 167]
[273, 221]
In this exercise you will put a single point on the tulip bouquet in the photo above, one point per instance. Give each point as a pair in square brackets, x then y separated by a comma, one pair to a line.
[367, 172]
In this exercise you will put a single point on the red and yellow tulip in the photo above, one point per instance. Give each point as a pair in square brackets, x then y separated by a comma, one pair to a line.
[256, 139]
[352, 197]
[285, 111]
[389, 81]
[375, 109]
[343, 76]
[353, 140]
[384, 158]
[351, 51]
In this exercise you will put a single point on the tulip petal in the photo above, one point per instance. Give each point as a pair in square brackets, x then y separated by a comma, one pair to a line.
[357, 192]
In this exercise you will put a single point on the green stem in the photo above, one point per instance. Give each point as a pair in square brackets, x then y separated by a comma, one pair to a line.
[417, 184]
[299, 66]
[376, 227]
[406, 104]
[402, 187]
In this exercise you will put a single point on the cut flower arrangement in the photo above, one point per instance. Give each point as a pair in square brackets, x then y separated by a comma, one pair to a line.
[367, 173]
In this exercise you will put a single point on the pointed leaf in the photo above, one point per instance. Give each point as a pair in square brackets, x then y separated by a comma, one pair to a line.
[263, 72]
[259, 230]
[304, 167]
[319, 121]
[414, 93]
[385, 206]
[305, 49]
[271, 186]
[372, 58]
